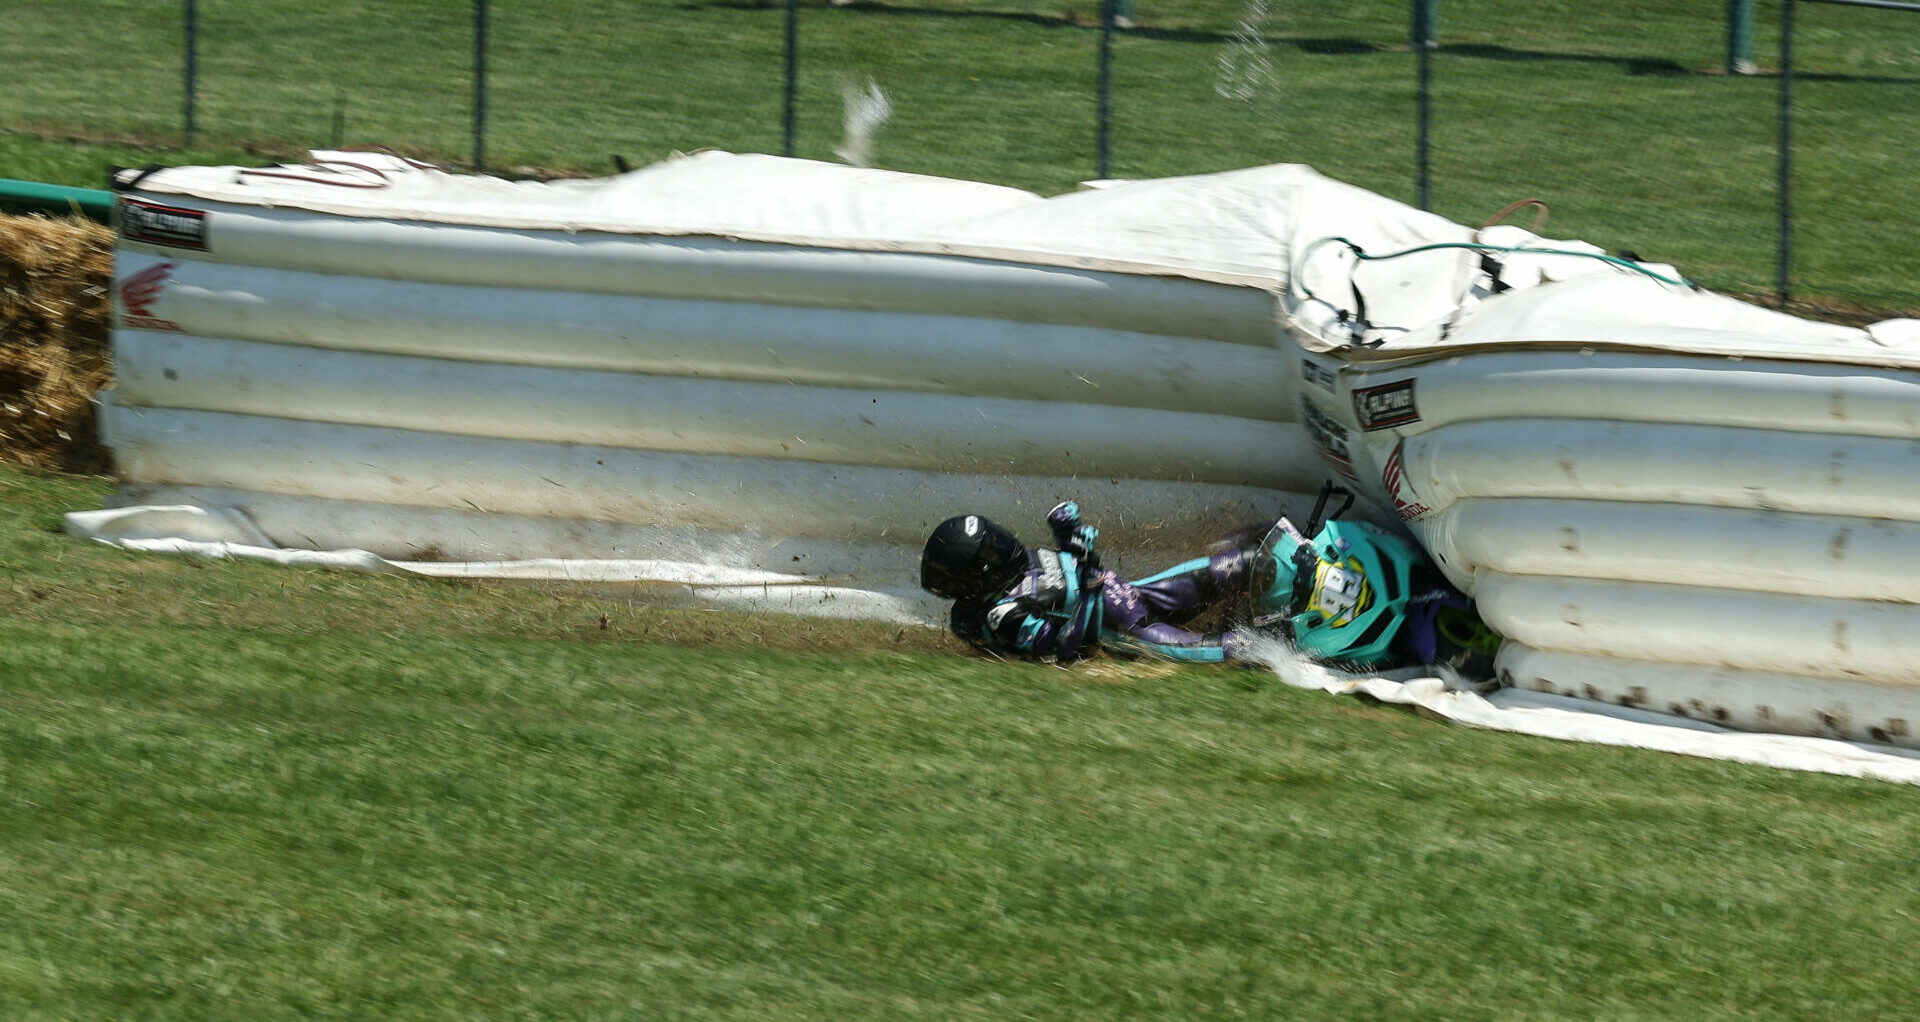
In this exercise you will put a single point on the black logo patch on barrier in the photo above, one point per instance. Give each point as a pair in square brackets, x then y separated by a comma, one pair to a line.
[154, 223]
[1329, 438]
[1385, 406]
[1318, 375]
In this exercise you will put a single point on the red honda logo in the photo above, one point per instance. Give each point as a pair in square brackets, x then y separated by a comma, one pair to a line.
[140, 291]
[1394, 475]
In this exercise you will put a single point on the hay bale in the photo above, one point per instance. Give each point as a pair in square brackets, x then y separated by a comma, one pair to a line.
[56, 312]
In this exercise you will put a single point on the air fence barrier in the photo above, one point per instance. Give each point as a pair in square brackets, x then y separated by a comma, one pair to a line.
[720, 359]
[765, 380]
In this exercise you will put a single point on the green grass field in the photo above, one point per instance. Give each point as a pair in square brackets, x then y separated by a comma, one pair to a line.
[1618, 115]
[237, 791]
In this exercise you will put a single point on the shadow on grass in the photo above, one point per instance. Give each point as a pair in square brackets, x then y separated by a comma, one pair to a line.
[1654, 65]
[1317, 45]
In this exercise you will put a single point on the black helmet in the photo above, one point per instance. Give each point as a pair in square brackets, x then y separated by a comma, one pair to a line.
[969, 558]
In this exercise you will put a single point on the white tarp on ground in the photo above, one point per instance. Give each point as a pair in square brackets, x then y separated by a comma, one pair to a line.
[196, 531]
[221, 533]
[1548, 716]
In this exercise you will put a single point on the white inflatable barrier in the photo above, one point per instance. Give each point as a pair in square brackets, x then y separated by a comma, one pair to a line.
[1858, 711]
[732, 339]
[572, 481]
[791, 268]
[1663, 499]
[1810, 473]
[704, 416]
[1825, 556]
[1864, 639]
[773, 365]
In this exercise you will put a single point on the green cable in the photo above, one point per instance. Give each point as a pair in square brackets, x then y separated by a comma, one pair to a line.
[1478, 247]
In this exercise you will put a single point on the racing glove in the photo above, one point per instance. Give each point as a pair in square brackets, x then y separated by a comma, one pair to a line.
[1072, 535]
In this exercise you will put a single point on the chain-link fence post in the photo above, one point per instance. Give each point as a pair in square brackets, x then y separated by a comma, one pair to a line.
[790, 114]
[480, 85]
[1784, 258]
[1109, 9]
[191, 68]
[1426, 24]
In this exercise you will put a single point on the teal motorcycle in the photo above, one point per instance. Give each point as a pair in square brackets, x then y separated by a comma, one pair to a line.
[1351, 593]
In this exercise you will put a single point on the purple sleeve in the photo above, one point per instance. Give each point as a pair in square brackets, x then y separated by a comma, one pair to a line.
[1019, 625]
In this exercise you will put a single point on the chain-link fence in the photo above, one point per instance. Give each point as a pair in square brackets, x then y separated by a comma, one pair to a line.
[1646, 124]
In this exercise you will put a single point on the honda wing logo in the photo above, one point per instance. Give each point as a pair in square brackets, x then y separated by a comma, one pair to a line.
[1394, 476]
[139, 292]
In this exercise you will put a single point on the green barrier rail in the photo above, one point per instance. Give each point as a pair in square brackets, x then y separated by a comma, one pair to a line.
[55, 200]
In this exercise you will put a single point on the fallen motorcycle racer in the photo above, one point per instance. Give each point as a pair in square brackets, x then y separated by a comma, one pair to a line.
[1351, 594]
